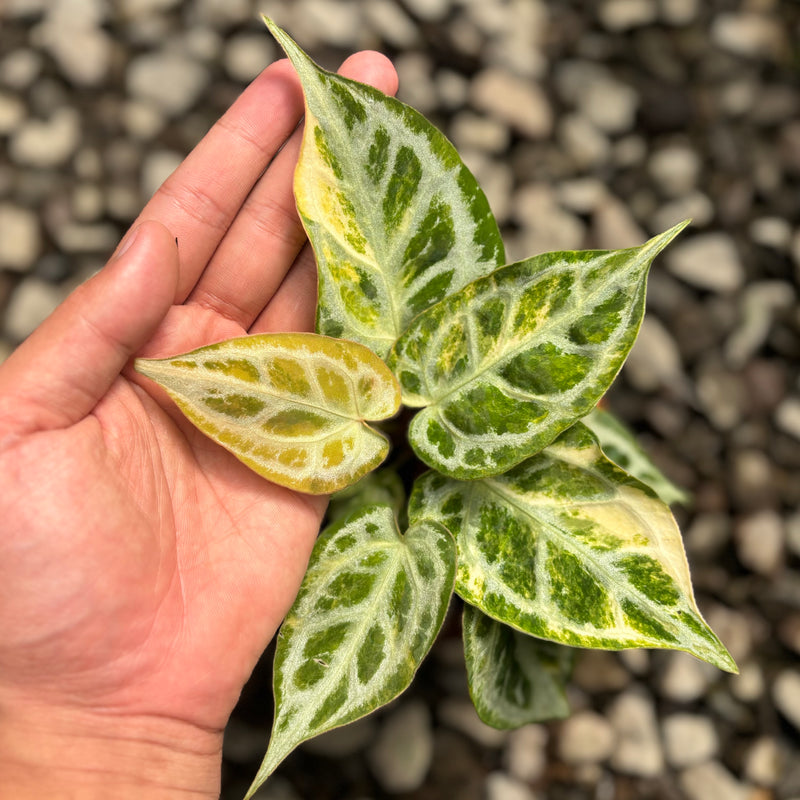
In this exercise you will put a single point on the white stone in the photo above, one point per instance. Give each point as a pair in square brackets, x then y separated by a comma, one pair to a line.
[774, 232]
[222, 13]
[623, 15]
[12, 113]
[81, 49]
[655, 361]
[462, 716]
[708, 261]
[613, 226]
[430, 10]
[20, 238]
[787, 416]
[712, 781]
[143, 8]
[513, 100]
[638, 750]
[403, 750]
[414, 71]
[452, 89]
[47, 143]
[695, 206]
[586, 738]
[581, 195]
[525, 755]
[675, 169]
[759, 539]
[471, 131]
[609, 104]
[748, 34]
[246, 54]
[142, 119]
[20, 68]
[93, 237]
[689, 739]
[157, 167]
[500, 786]
[764, 762]
[679, 12]
[685, 679]
[585, 145]
[391, 23]
[172, 81]
[547, 226]
[786, 694]
[31, 303]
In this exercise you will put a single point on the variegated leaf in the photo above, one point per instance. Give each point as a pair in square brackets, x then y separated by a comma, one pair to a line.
[369, 609]
[395, 218]
[382, 487]
[292, 406]
[514, 358]
[620, 445]
[514, 679]
[568, 547]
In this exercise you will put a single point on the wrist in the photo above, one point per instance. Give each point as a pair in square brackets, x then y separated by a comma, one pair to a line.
[68, 754]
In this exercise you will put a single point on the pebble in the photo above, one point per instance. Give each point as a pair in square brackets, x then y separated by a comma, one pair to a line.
[679, 12]
[20, 238]
[600, 671]
[613, 226]
[516, 101]
[695, 206]
[460, 715]
[585, 145]
[759, 539]
[12, 113]
[344, 741]
[586, 738]
[689, 739]
[764, 762]
[20, 68]
[391, 23]
[430, 10]
[748, 686]
[708, 533]
[47, 143]
[173, 82]
[157, 167]
[30, 304]
[786, 694]
[772, 232]
[685, 679]
[675, 169]
[525, 755]
[638, 750]
[624, 15]
[749, 34]
[246, 54]
[655, 361]
[471, 131]
[708, 261]
[500, 786]
[787, 416]
[403, 750]
[609, 104]
[712, 781]
[548, 226]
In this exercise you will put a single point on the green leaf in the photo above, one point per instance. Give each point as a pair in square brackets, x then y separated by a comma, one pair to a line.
[292, 406]
[382, 487]
[514, 358]
[369, 609]
[568, 547]
[620, 445]
[514, 679]
[396, 220]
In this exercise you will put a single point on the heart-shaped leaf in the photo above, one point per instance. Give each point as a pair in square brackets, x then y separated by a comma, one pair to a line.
[511, 360]
[568, 547]
[292, 406]
[369, 609]
[514, 679]
[395, 218]
[620, 445]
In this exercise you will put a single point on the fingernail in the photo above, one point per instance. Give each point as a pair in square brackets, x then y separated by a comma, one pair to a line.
[126, 243]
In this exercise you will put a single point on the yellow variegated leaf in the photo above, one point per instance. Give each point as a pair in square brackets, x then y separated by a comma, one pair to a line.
[292, 406]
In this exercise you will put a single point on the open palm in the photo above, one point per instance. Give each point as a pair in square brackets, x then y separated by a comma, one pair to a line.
[143, 569]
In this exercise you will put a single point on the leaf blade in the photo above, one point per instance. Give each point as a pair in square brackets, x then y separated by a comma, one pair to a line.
[395, 218]
[292, 406]
[501, 367]
[568, 547]
[367, 613]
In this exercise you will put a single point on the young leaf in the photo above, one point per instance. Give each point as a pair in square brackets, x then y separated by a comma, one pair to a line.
[514, 358]
[370, 607]
[568, 547]
[292, 406]
[395, 218]
[620, 445]
[514, 679]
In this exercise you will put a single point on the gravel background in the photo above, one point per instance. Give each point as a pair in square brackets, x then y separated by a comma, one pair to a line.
[590, 124]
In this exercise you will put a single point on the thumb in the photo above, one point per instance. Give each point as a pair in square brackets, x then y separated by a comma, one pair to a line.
[57, 375]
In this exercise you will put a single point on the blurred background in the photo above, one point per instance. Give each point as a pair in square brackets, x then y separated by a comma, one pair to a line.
[589, 123]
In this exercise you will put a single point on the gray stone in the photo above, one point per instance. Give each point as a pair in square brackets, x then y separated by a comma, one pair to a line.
[655, 361]
[416, 87]
[500, 786]
[142, 119]
[92, 237]
[525, 756]
[623, 15]
[749, 34]
[12, 113]
[246, 54]
[515, 101]
[431, 10]
[609, 104]
[47, 143]
[31, 303]
[689, 739]
[600, 671]
[695, 206]
[131, 9]
[679, 12]
[403, 750]
[685, 679]
[759, 539]
[391, 23]
[222, 13]
[613, 226]
[471, 131]
[749, 685]
[172, 81]
[157, 167]
[712, 781]
[708, 533]
[638, 750]
[584, 144]
[581, 195]
[344, 741]
[20, 238]
[20, 68]
[786, 694]
[773, 232]
[546, 225]
[461, 715]
[787, 416]
[764, 762]
[586, 738]
[708, 261]
[675, 169]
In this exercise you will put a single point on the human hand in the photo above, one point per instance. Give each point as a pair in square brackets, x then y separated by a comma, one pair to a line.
[143, 569]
